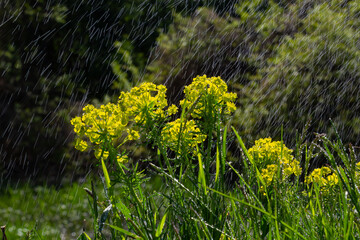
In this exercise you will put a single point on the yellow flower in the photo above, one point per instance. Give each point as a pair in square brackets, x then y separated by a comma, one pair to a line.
[268, 173]
[172, 110]
[204, 90]
[357, 172]
[122, 159]
[266, 151]
[144, 103]
[268, 155]
[107, 124]
[108, 120]
[78, 124]
[324, 177]
[132, 134]
[100, 153]
[81, 145]
[187, 134]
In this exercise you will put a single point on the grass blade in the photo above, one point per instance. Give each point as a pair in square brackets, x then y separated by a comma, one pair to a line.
[130, 234]
[242, 145]
[161, 226]
[217, 164]
[106, 174]
[201, 177]
[258, 209]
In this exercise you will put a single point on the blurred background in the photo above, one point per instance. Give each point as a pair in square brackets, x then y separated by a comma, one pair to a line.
[292, 63]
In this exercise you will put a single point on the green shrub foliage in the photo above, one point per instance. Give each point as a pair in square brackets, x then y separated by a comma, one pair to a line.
[291, 62]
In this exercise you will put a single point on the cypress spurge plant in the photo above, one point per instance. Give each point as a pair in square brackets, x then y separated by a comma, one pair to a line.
[185, 160]
[268, 201]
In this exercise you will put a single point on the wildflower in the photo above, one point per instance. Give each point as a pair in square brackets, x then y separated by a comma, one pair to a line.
[324, 177]
[268, 155]
[172, 110]
[122, 159]
[95, 123]
[186, 134]
[81, 145]
[132, 134]
[357, 172]
[100, 153]
[204, 90]
[144, 103]
[267, 151]
[268, 173]
[100, 126]
[78, 124]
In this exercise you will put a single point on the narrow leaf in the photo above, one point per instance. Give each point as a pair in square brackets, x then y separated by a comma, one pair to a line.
[223, 156]
[161, 226]
[242, 145]
[217, 164]
[123, 209]
[258, 209]
[106, 174]
[201, 177]
[130, 234]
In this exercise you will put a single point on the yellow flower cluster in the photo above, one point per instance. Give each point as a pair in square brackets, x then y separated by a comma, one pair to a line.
[203, 90]
[268, 154]
[104, 125]
[146, 103]
[142, 107]
[81, 145]
[100, 153]
[185, 133]
[324, 177]
[101, 126]
[95, 123]
[268, 173]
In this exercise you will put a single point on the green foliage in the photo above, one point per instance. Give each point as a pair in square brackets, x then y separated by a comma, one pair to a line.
[287, 61]
[312, 75]
[125, 69]
[204, 43]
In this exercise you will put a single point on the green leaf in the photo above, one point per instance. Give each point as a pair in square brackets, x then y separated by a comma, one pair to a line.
[130, 234]
[250, 159]
[223, 157]
[217, 164]
[123, 209]
[161, 226]
[201, 177]
[106, 174]
[242, 145]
